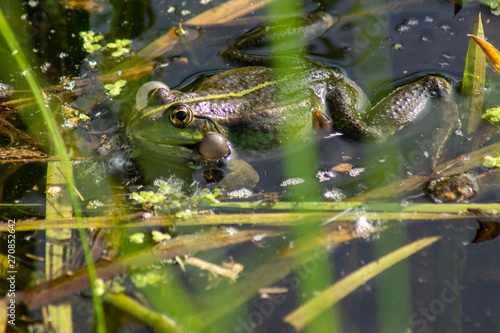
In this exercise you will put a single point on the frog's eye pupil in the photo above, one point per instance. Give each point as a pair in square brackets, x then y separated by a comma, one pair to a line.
[180, 115]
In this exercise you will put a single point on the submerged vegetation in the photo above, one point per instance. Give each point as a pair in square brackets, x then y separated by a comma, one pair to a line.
[79, 214]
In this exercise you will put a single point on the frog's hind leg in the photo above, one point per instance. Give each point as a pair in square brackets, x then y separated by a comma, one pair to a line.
[346, 103]
[281, 34]
[408, 102]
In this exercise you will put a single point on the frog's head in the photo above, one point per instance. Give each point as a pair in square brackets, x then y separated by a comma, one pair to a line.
[161, 125]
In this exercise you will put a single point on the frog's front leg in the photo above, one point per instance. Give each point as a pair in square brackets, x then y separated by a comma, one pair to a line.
[403, 105]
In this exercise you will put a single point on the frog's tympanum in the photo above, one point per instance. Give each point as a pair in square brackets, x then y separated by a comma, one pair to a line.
[258, 108]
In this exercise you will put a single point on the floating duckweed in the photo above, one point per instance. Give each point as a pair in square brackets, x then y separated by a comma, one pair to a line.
[121, 47]
[100, 287]
[492, 114]
[398, 46]
[137, 238]
[141, 280]
[185, 214]
[83, 117]
[159, 237]
[72, 116]
[172, 197]
[114, 89]
[491, 162]
[147, 197]
[89, 41]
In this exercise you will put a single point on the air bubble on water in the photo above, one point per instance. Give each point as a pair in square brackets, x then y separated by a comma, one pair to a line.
[45, 67]
[204, 2]
[448, 56]
[334, 195]
[24, 16]
[292, 181]
[14, 52]
[325, 175]
[428, 19]
[95, 204]
[258, 238]
[185, 12]
[69, 86]
[33, 3]
[412, 22]
[363, 227]
[424, 39]
[63, 55]
[354, 172]
[171, 9]
[425, 153]
[402, 28]
[24, 73]
[407, 24]
[240, 193]
[231, 231]
[444, 64]
[404, 203]
[445, 27]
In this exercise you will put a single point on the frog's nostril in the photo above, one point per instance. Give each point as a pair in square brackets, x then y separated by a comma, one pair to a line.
[213, 147]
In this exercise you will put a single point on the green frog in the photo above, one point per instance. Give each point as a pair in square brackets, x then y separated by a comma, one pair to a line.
[257, 108]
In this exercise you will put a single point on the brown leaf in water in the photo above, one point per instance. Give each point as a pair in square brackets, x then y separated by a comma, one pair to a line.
[486, 232]
[342, 167]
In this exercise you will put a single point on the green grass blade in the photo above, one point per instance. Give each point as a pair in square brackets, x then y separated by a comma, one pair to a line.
[305, 314]
[473, 83]
[60, 150]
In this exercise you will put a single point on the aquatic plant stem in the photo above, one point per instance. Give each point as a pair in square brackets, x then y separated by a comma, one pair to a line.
[160, 322]
[60, 150]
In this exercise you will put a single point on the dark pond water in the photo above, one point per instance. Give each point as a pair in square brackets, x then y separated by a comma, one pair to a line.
[450, 286]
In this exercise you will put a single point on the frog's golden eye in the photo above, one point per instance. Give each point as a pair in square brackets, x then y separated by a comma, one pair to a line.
[180, 115]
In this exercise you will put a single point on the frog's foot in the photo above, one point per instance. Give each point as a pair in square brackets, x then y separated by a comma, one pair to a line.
[214, 163]
[281, 35]
[240, 175]
[235, 174]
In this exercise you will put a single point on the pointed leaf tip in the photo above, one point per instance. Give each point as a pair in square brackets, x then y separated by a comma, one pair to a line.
[489, 50]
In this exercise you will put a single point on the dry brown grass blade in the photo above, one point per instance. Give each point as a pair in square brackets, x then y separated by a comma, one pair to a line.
[228, 11]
